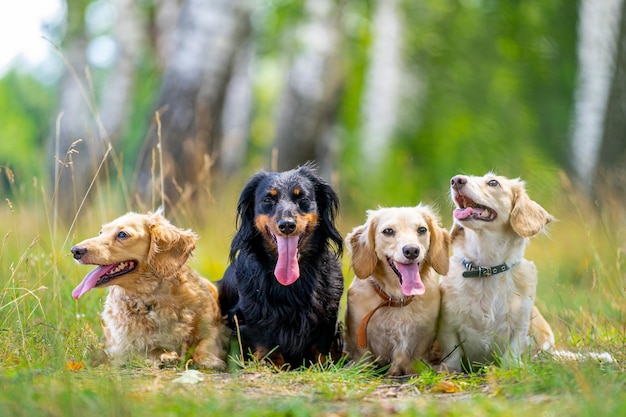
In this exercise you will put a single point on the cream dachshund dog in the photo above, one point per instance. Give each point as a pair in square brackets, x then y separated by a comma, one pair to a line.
[157, 306]
[393, 303]
[489, 292]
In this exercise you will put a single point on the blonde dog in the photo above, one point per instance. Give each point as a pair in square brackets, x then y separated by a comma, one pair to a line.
[488, 294]
[393, 303]
[157, 306]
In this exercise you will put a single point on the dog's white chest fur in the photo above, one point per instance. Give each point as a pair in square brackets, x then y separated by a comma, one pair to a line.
[488, 318]
[491, 314]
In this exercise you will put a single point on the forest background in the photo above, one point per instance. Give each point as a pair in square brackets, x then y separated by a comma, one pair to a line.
[391, 98]
[176, 103]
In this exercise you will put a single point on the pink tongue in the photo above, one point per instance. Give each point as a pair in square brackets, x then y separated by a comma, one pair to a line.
[91, 279]
[287, 269]
[411, 281]
[466, 212]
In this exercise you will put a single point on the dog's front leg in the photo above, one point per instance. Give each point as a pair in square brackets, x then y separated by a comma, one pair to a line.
[209, 354]
[518, 343]
[274, 357]
[451, 351]
[519, 339]
[400, 365]
[512, 358]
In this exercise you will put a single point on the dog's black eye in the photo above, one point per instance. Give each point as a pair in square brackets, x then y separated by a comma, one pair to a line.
[421, 230]
[493, 183]
[123, 235]
[304, 203]
[268, 200]
[388, 232]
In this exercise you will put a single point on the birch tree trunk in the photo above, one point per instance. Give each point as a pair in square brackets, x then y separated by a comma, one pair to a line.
[89, 127]
[207, 39]
[237, 113]
[598, 32]
[129, 33]
[75, 145]
[309, 102]
[383, 90]
[611, 169]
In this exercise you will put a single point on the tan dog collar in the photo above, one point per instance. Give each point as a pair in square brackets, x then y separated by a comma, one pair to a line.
[361, 337]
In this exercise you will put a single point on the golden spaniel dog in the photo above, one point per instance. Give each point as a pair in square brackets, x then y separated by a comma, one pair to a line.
[157, 306]
[489, 292]
[393, 304]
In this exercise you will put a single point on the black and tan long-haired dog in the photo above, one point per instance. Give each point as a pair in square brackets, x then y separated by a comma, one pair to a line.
[282, 289]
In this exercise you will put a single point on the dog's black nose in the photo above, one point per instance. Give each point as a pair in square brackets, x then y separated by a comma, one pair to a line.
[79, 251]
[411, 252]
[458, 181]
[286, 226]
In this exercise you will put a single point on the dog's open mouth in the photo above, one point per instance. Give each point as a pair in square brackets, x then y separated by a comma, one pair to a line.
[102, 275]
[409, 276]
[469, 209]
[287, 269]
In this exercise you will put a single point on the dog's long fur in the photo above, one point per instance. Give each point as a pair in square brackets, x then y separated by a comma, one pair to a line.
[157, 306]
[403, 237]
[285, 309]
[486, 319]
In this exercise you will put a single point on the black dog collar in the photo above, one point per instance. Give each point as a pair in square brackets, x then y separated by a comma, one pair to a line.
[477, 271]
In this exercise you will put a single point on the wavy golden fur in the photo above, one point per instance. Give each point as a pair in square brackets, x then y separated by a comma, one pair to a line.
[157, 306]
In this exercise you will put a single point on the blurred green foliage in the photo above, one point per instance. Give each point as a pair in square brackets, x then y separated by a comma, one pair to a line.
[498, 82]
[25, 109]
[495, 82]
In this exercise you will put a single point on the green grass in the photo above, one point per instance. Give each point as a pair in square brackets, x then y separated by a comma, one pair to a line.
[50, 344]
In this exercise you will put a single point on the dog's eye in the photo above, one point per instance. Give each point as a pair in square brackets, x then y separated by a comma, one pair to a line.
[388, 232]
[268, 200]
[304, 203]
[421, 230]
[123, 235]
[493, 183]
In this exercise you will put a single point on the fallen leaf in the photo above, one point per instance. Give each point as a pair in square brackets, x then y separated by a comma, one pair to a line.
[74, 366]
[446, 387]
[190, 376]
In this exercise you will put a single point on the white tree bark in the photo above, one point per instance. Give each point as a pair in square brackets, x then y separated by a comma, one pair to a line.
[383, 81]
[598, 34]
[166, 16]
[95, 122]
[237, 113]
[130, 37]
[208, 36]
[309, 102]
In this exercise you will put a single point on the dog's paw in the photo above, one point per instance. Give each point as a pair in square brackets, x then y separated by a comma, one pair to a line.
[169, 358]
[209, 362]
[513, 362]
[163, 359]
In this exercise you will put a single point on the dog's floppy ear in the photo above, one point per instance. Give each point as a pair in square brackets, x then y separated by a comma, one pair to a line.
[327, 205]
[362, 246]
[245, 214]
[170, 246]
[456, 231]
[527, 217]
[438, 256]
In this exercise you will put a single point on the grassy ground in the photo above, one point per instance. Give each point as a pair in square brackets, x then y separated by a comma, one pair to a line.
[49, 343]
